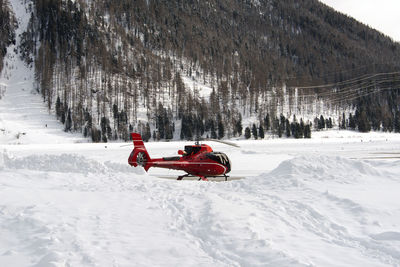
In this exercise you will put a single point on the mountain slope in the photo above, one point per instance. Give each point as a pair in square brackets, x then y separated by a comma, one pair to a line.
[106, 68]
[24, 118]
[7, 27]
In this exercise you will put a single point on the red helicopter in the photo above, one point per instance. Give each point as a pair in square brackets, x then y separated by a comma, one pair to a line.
[196, 160]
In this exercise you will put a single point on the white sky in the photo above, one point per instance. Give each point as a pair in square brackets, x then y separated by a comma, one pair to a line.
[383, 15]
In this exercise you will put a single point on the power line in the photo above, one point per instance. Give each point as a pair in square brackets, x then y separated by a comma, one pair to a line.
[330, 74]
[360, 78]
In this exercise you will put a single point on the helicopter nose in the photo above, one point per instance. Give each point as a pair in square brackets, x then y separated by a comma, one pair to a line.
[220, 170]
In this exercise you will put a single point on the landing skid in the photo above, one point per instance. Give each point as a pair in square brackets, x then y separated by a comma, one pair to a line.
[195, 178]
[204, 178]
[181, 177]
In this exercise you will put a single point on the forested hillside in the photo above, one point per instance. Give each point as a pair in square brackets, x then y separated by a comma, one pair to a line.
[220, 68]
[7, 24]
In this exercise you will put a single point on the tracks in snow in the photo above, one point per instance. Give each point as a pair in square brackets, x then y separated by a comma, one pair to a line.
[90, 212]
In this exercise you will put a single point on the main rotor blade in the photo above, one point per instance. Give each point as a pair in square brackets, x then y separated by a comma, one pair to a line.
[205, 139]
[224, 142]
[126, 145]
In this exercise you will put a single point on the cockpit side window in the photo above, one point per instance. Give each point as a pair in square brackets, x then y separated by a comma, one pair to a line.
[188, 150]
[192, 149]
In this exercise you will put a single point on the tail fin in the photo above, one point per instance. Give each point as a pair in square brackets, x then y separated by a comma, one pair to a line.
[139, 155]
[137, 140]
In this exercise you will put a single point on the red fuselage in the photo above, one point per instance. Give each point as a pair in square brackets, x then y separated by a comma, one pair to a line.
[198, 160]
[199, 164]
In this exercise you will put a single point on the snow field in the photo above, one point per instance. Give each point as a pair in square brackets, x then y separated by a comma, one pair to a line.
[82, 205]
[329, 201]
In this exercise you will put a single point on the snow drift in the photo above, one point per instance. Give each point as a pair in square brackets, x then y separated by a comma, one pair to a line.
[68, 210]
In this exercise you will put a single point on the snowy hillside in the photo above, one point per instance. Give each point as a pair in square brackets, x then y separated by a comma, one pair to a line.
[177, 70]
[24, 118]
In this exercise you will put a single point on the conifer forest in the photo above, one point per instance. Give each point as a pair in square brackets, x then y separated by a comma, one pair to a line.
[184, 69]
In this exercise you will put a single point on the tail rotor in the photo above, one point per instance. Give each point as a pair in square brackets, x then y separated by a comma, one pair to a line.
[141, 159]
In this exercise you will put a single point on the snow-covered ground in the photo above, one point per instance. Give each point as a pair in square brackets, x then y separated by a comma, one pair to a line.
[329, 201]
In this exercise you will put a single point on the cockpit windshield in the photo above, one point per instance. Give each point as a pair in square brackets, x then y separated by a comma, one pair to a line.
[220, 158]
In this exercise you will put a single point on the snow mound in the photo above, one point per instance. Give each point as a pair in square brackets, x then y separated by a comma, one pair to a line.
[394, 236]
[64, 163]
[81, 209]
[324, 168]
[53, 259]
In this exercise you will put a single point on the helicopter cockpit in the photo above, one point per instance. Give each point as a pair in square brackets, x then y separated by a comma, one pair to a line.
[189, 150]
[221, 158]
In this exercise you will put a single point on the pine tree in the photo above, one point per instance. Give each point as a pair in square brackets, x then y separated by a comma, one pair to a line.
[316, 124]
[96, 135]
[267, 122]
[296, 132]
[283, 121]
[104, 129]
[147, 134]
[109, 130]
[321, 122]
[261, 132]
[254, 131]
[247, 133]
[301, 128]
[221, 130]
[238, 126]
[278, 127]
[307, 131]
[68, 123]
[293, 128]
[397, 122]
[58, 107]
[343, 124]
[363, 123]
[352, 122]
[213, 132]
[115, 111]
[387, 121]
[62, 116]
[287, 128]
